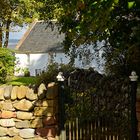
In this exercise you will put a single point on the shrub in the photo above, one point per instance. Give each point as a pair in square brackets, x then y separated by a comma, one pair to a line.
[7, 63]
[26, 72]
[52, 71]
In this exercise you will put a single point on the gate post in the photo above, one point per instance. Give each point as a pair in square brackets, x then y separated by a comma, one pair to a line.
[60, 79]
[133, 78]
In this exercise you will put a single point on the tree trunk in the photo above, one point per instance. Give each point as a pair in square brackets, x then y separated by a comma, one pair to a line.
[7, 34]
[0, 36]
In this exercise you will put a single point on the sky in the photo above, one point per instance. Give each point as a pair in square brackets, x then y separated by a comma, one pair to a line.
[15, 36]
[17, 33]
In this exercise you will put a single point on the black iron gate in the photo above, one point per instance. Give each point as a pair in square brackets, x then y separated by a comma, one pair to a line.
[96, 107]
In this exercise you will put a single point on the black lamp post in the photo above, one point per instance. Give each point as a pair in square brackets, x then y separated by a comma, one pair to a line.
[133, 78]
[61, 79]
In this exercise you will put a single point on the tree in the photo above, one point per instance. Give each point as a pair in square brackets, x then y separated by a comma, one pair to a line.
[7, 62]
[115, 22]
[122, 50]
[15, 12]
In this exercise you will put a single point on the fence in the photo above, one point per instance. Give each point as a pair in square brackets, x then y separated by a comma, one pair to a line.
[97, 108]
[98, 122]
[91, 130]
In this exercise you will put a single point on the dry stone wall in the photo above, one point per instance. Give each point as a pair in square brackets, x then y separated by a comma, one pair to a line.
[26, 115]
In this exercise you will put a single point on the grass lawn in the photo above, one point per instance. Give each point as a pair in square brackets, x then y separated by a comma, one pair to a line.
[22, 81]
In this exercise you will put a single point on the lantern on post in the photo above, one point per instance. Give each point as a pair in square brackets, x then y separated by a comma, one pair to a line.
[133, 79]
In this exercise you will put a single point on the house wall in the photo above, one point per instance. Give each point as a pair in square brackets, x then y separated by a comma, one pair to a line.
[37, 62]
[21, 64]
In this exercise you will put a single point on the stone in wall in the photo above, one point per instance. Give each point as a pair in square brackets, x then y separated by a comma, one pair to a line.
[7, 114]
[7, 92]
[39, 138]
[42, 91]
[31, 95]
[2, 89]
[44, 103]
[27, 133]
[7, 105]
[5, 138]
[51, 138]
[36, 123]
[12, 131]
[14, 93]
[43, 111]
[3, 131]
[24, 115]
[52, 91]
[23, 124]
[27, 115]
[23, 105]
[1, 104]
[17, 138]
[7, 122]
[22, 91]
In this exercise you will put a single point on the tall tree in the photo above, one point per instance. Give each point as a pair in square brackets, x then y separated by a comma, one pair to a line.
[115, 22]
[15, 12]
[122, 52]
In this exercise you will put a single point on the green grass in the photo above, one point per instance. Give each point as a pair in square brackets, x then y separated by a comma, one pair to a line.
[22, 81]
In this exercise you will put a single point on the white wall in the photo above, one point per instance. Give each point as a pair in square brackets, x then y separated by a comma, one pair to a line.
[61, 58]
[21, 64]
[40, 62]
[37, 61]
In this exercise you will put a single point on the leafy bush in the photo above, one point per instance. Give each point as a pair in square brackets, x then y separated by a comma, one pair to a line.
[52, 71]
[26, 72]
[7, 63]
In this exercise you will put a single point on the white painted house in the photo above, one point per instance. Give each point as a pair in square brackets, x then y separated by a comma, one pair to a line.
[41, 44]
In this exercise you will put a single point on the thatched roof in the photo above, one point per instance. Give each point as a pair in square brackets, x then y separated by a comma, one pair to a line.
[41, 37]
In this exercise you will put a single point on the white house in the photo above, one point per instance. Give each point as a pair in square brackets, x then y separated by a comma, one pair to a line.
[41, 44]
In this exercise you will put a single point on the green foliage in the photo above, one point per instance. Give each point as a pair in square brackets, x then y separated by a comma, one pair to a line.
[102, 98]
[49, 75]
[26, 72]
[16, 12]
[7, 62]
[82, 21]
[3, 74]
[122, 51]
[52, 71]
[115, 22]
